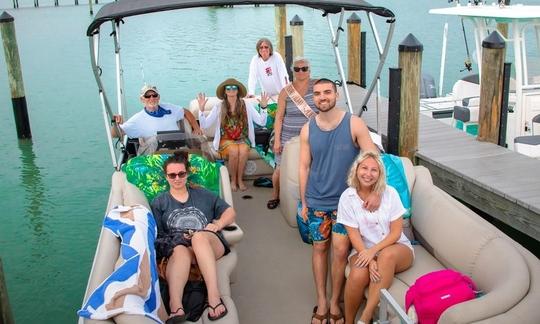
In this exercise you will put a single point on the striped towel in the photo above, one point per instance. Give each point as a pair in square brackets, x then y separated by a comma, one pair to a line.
[133, 287]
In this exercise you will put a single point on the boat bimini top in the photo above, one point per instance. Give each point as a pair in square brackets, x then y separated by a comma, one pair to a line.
[116, 11]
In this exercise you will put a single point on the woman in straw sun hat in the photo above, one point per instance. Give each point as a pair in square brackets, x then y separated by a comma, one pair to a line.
[235, 133]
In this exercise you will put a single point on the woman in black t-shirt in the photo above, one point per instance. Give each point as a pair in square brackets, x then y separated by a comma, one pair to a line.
[189, 221]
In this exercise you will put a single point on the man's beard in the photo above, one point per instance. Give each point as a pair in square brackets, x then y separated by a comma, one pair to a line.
[331, 105]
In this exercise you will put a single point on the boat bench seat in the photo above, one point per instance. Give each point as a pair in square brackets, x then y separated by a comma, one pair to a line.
[256, 165]
[528, 145]
[450, 236]
[107, 253]
[453, 236]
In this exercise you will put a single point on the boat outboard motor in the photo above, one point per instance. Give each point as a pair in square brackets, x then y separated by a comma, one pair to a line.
[427, 87]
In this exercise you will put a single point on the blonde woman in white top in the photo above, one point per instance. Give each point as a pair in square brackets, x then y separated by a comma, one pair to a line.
[380, 249]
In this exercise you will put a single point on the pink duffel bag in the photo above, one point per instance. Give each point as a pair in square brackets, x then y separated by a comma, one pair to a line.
[436, 291]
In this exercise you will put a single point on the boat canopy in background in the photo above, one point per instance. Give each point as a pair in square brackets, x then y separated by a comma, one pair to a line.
[125, 8]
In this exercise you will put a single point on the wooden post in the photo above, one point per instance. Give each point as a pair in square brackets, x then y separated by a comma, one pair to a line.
[15, 4]
[36, 3]
[503, 27]
[354, 36]
[76, 2]
[56, 3]
[297, 32]
[363, 59]
[491, 88]
[410, 62]
[289, 55]
[16, 84]
[281, 28]
[90, 5]
[6, 317]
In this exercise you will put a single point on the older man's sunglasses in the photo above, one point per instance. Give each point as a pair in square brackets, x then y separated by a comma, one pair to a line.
[148, 96]
[303, 69]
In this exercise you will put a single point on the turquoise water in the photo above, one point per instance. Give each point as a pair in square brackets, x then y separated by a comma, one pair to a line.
[55, 187]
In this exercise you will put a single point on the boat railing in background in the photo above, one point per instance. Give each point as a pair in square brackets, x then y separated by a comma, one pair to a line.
[388, 300]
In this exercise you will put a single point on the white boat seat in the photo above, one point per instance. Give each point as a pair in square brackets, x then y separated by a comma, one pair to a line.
[535, 120]
[528, 145]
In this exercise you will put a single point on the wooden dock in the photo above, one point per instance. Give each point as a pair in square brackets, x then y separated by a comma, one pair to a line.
[500, 182]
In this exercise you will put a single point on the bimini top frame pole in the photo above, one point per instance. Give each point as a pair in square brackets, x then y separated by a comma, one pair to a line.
[382, 58]
[335, 43]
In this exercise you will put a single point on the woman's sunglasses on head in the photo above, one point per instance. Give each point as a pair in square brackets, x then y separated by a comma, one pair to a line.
[181, 174]
[303, 68]
[148, 96]
[231, 87]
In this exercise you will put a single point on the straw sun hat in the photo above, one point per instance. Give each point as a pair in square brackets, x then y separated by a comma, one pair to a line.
[220, 90]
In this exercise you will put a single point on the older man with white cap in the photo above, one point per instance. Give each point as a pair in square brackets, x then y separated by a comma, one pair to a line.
[154, 117]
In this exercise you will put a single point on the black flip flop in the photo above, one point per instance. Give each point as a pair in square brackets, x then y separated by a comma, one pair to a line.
[272, 203]
[176, 319]
[215, 318]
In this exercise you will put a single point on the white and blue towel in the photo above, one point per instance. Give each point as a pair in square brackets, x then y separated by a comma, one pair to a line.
[133, 287]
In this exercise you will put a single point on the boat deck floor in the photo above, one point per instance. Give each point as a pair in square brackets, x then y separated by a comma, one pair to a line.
[273, 277]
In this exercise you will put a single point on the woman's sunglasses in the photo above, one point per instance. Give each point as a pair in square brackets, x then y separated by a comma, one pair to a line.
[231, 87]
[303, 69]
[148, 96]
[181, 174]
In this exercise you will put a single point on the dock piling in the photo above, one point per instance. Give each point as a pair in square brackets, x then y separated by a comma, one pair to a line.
[289, 55]
[394, 103]
[281, 27]
[13, 64]
[354, 48]
[491, 88]
[297, 32]
[90, 6]
[410, 62]
[6, 317]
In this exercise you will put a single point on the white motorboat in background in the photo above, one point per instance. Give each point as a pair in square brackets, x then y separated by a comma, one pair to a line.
[461, 106]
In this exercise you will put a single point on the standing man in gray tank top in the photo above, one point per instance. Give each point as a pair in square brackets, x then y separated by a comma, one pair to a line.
[329, 144]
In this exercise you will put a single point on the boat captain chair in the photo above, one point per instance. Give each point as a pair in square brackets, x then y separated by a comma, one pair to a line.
[256, 165]
[530, 144]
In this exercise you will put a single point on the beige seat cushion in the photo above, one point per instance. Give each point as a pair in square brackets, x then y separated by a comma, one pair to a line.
[289, 193]
[459, 239]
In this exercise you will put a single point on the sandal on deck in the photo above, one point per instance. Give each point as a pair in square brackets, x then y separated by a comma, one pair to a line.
[319, 317]
[215, 318]
[177, 319]
[272, 203]
[337, 317]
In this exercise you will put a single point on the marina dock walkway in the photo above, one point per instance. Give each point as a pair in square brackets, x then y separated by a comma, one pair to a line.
[498, 181]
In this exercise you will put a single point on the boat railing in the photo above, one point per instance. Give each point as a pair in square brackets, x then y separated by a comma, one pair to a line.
[388, 301]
